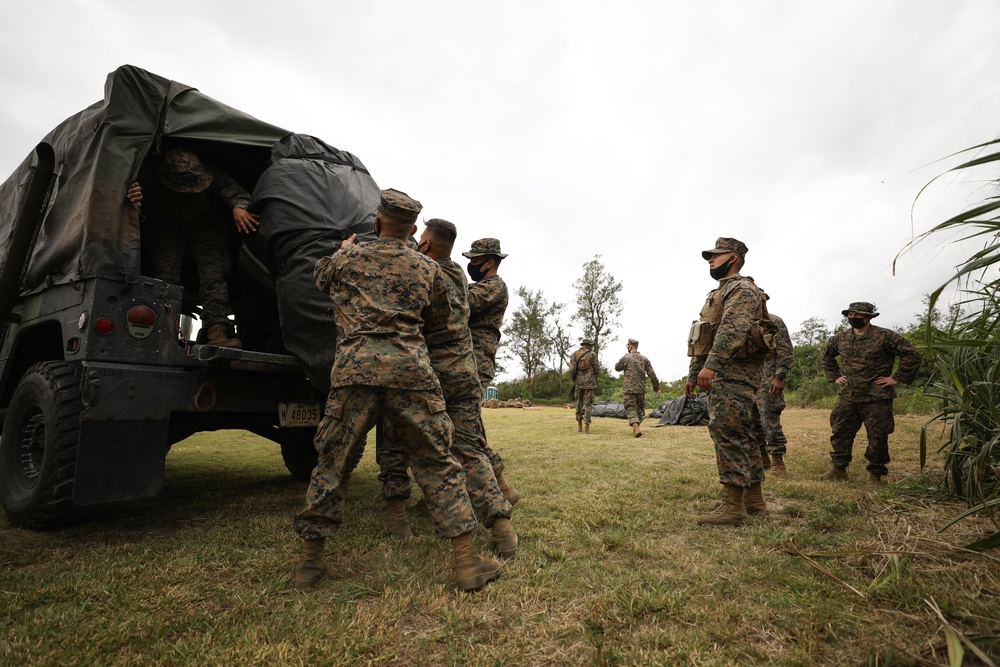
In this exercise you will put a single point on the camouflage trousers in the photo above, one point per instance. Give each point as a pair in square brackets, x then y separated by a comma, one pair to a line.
[845, 422]
[208, 245]
[584, 405]
[731, 415]
[635, 407]
[484, 382]
[469, 447]
[423, 427]
[767, 430]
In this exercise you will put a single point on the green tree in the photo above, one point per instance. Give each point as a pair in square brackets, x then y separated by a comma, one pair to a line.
[562, 345]
[811, 332]
[529, 333]
[598, 305]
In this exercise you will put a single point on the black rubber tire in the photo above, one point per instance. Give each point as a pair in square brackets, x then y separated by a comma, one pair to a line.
[38, 449]
[298, 452]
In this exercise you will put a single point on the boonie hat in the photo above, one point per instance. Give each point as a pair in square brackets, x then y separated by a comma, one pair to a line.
[182, 171]
[485, 247]
[723, 244]
[586, 341]
[633, 341]
[399, 207]
[861, 308]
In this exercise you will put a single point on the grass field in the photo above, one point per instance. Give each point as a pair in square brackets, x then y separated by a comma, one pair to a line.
[612, 569]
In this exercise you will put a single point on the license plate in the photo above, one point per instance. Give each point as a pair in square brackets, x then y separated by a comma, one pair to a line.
[298, 414]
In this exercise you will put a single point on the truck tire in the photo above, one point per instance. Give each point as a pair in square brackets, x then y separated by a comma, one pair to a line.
[38, 448]
[299, 453]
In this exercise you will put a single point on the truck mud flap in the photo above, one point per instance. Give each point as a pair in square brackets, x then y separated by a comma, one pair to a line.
[120, 460]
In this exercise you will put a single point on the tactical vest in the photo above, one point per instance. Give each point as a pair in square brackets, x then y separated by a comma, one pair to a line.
[761, 339]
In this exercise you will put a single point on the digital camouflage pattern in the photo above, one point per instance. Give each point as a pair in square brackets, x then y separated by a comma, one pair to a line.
[865, 358]
[846, 419]
[585, 404]
[454, 363]
[583, 373]
[635, 368]
[488, 300]
[419, 420]
[741, 302]
[387, 299]
[770, 406]
[195, 224]
[730, 418]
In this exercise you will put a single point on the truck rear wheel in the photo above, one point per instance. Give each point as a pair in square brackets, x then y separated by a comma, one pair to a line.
[299, 453]
[38, 449]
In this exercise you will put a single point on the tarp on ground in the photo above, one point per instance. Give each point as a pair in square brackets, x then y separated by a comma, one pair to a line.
[684, 411]
[311, 198]
[88, 229]
[608, 409]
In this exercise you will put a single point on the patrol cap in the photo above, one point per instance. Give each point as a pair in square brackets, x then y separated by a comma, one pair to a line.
[586, 341]
[723, 244]
[861, 308]
[182, 171]
[485, 247]
[633, 342]
[398, 207]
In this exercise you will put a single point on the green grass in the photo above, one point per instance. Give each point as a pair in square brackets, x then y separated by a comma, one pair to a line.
[613, 569]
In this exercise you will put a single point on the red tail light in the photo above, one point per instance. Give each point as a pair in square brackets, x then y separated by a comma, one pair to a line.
[104, 325]
[141, 315]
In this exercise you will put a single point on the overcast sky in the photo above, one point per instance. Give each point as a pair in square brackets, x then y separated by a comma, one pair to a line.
[639, 131]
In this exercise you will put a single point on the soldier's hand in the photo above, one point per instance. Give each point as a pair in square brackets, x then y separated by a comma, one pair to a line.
[842, 380]
[777, 386]
[886, 382]
[689, 389]
[349, 242]
[134, 194]
[245, 221]
[705, 378]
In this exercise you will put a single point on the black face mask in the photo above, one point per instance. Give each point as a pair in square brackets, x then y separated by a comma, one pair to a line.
[476, 271]
[857, 322]
[720, 271]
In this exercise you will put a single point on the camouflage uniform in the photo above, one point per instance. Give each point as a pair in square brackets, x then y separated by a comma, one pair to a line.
[488, 300]
[636, 368]
[193, 221]
[583, 373]
[864, 359]
[390, 304]
[455, 365]
[767, 430]
[731, 407]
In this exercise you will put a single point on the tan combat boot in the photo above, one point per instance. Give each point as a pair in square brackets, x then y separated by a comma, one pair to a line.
[472, 571]
[586, 428]
[754, 500]
[835, 474]
[310, 568]
[217, 336]
[508, 491]
[636, 431]
[875, 480]
[398, 524]
[778, 466]
[731, 512]
[504, 539]
[579, 427]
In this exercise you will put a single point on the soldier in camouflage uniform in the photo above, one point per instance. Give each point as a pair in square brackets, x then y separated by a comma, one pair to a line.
[183, 208]
[455, 365]
[488, 300]
[583, 373]
[865, 378]
[721, 366]
[770, 400]
[636, 367]
[390, 305]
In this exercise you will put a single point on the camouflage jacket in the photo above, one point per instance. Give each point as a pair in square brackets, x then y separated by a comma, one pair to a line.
[742, 302]
[162, 204]
[781, 358]
[865, 358]
[583, 369]
[636, 368]
[487, 304]
[389, 304]
[454, 360]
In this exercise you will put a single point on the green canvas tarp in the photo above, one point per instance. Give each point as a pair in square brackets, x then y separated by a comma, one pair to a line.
[88, 229]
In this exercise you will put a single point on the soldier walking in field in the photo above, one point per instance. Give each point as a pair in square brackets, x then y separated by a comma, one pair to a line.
[636, 367]
[390, 303]
[722, 365]
[583, 374]
[770, 400]
[865, 380]
[488, 298]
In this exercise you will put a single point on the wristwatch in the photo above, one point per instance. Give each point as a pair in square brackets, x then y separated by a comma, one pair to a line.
[780, 376]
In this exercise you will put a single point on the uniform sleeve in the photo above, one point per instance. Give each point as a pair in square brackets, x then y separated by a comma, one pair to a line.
[830, 366]
[437, 314]
[652, 376]
[909, 358]
[740, 304]
[323, 273]
[620, 366]
[694, 367]
[482, 295]
[785, 352]
[228, 190]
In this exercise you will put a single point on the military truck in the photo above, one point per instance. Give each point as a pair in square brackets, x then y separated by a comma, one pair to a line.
[99, 370]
